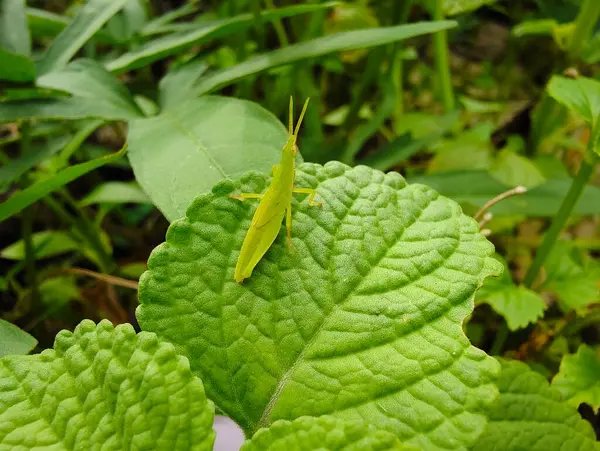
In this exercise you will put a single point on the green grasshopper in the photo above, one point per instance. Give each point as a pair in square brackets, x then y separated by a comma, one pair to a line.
[276, 202]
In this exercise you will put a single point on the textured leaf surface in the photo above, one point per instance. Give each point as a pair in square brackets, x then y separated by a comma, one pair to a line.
[14, 341]
[518, 305]
[362, 320]
[183, 152]
[579, 377]
[103, 388]
[323, 433]
[530, 415]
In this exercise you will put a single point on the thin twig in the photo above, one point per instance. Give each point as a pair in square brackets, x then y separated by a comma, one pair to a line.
[112, 280]
[498, 198]
[486, 218]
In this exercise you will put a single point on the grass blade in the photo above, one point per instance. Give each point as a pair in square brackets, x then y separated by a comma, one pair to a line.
[338, 42]
[41, 189]
[92, 16]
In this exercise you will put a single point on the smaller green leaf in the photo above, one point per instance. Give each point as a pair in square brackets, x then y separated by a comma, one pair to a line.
[339, 42]
[405, 146]
[14, 35]
[572, 276]
[40, 189]
[582, 96]
[15, 43]
[452, 7]
[530, 415]
[62, 108]
[44, 24]
[579, 377]
[14, 341]
[56, 292]
[471, 149]
[90, 18]
[128, 22]
[116, 193]
[87, 79]
[518, 305]
[513, 169]
[325, 433]
[174, 87]
[15, 67]
[47, 243]
[534, 27]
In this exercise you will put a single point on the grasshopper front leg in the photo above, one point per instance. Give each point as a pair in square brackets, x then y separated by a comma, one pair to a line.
[312, 193]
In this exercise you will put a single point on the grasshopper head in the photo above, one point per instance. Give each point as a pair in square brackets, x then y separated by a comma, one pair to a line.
[293, 133]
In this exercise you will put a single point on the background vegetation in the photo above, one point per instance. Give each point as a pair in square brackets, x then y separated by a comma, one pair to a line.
[466, 107]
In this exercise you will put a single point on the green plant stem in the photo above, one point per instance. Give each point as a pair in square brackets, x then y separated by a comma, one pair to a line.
[87, 233]
[569, 202]
[589, 13]
[279, 28]
[501, 336]
[400, 16]
[27, 225]
[442, 60]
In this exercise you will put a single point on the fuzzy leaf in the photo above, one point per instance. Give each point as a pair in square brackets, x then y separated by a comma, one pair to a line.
[579, 377]
[323, 433]
[103, 387]
[337, 326]
[530, 415]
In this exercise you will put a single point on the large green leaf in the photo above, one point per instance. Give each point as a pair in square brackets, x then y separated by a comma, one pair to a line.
[183, 152]
[579, 377]
[581, 95]
[103, 387]
[361, 320]
[14, 341]
[324, 433]
[338, 42]
[478, 187]
[178, 42]
[519, 305]
[40, 189]
[530, 415]
[89, 19]
[87, 79]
